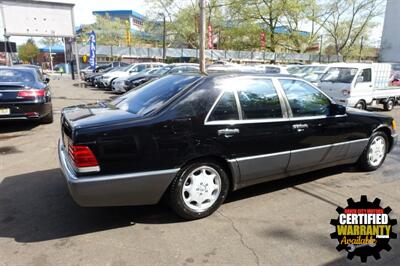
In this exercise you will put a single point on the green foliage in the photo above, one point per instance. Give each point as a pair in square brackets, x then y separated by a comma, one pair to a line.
[29, 51]
[108, 31]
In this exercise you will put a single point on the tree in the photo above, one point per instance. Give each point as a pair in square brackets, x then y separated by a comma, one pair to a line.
[349, 20]
[108, 31]
[28, 52]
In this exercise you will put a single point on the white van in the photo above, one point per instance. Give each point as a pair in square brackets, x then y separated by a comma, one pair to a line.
[360, 85]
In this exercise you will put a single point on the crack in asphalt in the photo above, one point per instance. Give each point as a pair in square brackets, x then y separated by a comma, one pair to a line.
[241, 237]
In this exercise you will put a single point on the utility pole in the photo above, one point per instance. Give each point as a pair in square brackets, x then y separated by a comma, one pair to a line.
[202, 37]
[164, 51]
[51, 54]
[361, 48]
[320, 48]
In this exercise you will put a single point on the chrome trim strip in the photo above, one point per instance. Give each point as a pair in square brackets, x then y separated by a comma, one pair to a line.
[213, 106]
[259, 156]
[73, 178]
[296, 151]
[238, 105]
[269, 120]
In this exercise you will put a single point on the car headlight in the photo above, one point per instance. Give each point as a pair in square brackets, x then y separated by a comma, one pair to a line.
[346, 92]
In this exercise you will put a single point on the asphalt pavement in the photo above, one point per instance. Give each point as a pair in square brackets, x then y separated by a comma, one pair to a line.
[285, 222]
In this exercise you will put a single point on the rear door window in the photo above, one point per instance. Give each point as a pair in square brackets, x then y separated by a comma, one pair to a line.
[259, 100]
[226, 108]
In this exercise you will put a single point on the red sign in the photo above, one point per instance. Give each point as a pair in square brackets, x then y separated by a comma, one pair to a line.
[262, 40]
[210, 37]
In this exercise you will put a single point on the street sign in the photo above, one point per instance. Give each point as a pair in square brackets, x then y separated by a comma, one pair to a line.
[11, 47]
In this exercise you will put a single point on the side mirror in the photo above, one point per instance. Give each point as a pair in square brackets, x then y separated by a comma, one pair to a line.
[47, 80]
[337, 109]
[360, 79]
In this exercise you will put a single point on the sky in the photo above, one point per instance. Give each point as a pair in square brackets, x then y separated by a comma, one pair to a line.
[83, 14]
[83, 10]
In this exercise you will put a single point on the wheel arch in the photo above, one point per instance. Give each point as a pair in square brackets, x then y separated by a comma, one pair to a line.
[231, 167]
[388, 132]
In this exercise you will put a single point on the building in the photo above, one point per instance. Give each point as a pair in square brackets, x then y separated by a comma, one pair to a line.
[390, 43]
[57, 52]
[135, 19]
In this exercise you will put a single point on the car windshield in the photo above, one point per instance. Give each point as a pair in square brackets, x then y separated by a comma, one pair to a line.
[152, 96]
[126, 69]
[16, 75]
[339, 75]
[163, 70]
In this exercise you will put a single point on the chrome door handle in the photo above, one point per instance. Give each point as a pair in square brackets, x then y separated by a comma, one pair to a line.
[300, 126]
[228, 132]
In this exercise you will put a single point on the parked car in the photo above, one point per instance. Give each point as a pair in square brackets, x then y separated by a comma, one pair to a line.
[136, 80]
[90, 79]
[101, 67]
[127, 71]
[123, 84]
[272, 69]
[24, 95]
[193, 138]
[360, 85]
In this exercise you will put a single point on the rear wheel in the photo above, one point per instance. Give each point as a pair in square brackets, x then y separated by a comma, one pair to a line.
[375, 153]
[361, 105]
[48, 119]
[389, 105]
[198, 190]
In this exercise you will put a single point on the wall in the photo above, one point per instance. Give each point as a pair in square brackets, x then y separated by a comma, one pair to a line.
[390, 44]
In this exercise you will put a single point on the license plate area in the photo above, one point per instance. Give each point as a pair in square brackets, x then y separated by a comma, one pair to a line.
[5, 111]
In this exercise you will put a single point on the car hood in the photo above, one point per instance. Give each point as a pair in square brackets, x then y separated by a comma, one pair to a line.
[92, 115]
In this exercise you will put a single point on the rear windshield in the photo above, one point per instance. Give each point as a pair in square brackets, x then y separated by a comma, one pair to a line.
[16, 75]
[152, 96]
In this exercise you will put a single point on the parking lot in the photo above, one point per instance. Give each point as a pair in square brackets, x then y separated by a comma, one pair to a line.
[281, 222]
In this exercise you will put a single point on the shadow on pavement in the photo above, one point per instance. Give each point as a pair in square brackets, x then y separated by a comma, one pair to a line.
[280, 184]
[17, 125]
[37, 207]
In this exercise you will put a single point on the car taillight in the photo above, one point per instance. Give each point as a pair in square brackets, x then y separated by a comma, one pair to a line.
[83, 158]
[31, 93]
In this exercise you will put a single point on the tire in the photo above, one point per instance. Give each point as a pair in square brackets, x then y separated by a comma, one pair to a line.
[361, 105]
[189, 184]
[389, 105]
[48, 119]
[374, 154]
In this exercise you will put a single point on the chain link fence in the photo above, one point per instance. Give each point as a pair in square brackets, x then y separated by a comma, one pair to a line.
[156, 53]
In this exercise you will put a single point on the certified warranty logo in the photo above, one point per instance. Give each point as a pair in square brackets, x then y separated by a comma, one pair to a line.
[363, 228]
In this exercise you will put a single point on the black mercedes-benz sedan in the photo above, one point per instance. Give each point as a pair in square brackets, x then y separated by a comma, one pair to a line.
[24, 94]
[191, 139]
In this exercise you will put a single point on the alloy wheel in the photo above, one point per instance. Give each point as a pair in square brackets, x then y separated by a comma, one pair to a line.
[201, 188]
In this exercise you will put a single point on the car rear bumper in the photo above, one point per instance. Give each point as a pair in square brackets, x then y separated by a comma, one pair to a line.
[143, 188]
[22, 111]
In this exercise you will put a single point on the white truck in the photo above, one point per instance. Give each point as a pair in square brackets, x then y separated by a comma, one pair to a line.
[361, 85]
